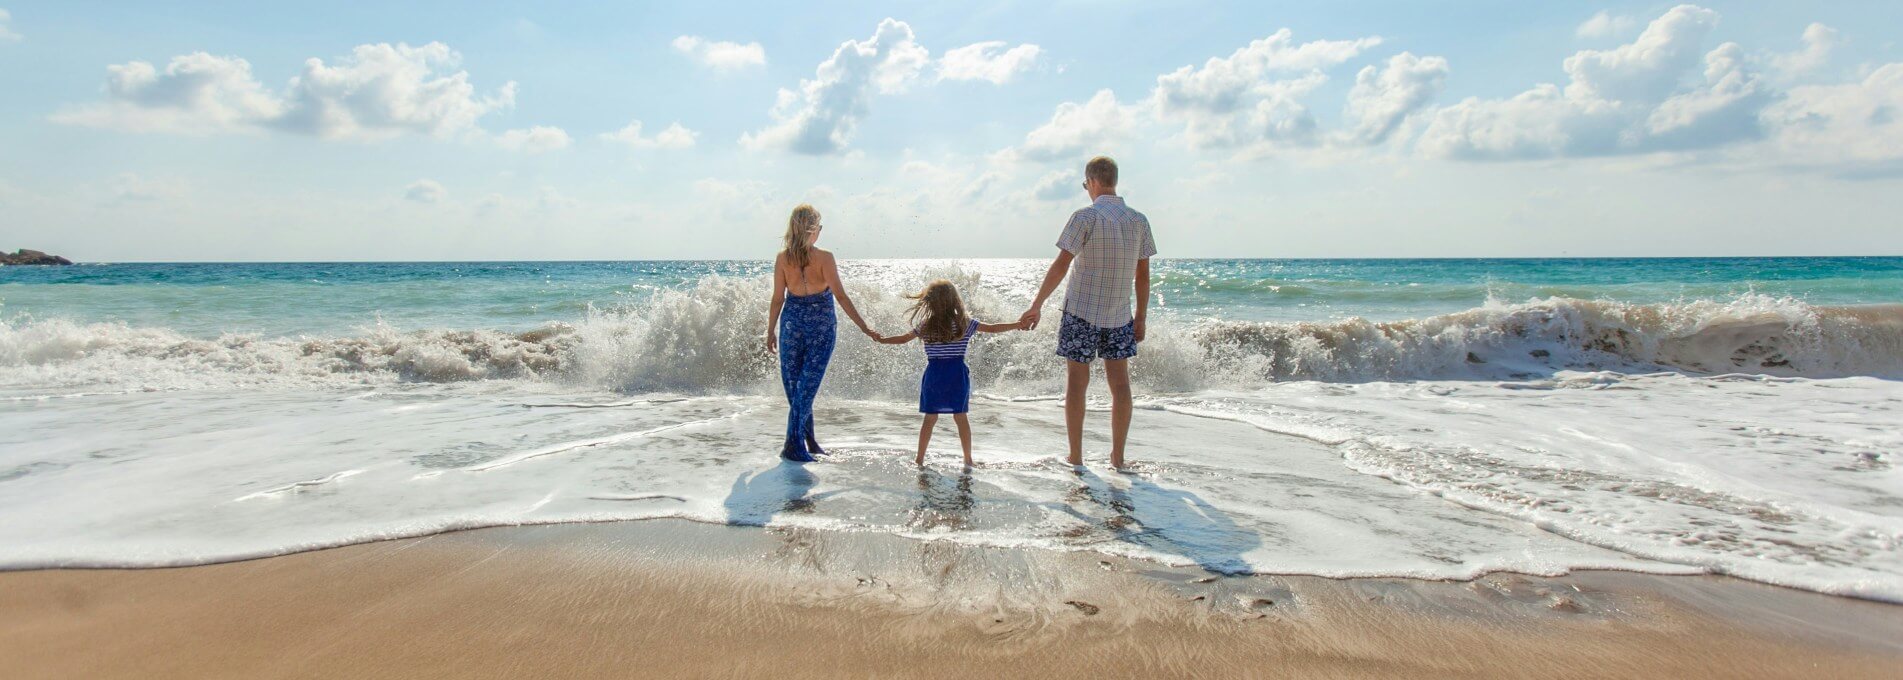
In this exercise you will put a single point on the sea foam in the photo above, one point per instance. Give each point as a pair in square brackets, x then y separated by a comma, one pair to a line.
[709, 338]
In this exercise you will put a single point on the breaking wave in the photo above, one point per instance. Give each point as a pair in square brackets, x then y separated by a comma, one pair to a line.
[708, 338]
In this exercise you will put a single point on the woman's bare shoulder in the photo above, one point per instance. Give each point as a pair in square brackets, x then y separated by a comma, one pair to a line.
[822, 255]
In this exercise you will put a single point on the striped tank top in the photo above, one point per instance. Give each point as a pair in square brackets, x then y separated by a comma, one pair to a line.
[951, 350]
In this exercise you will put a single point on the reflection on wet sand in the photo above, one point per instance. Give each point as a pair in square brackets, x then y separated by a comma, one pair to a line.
[944, 502]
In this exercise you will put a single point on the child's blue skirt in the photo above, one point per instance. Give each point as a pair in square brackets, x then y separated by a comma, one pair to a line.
[946, 387]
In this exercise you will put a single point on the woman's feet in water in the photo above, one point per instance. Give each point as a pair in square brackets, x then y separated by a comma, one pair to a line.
[798, 454]
[803, 452]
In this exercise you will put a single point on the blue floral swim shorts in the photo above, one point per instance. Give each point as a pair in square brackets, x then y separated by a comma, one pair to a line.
[1081, 341]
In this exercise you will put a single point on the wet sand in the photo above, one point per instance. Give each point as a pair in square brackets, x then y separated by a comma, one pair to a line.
[675, 598]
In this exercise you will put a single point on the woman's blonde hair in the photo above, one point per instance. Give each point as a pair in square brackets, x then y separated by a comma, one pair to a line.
[939, 315]
[803, 222]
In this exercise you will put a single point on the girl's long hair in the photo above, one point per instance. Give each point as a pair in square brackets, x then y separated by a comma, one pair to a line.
[801, 223]
[938, 313]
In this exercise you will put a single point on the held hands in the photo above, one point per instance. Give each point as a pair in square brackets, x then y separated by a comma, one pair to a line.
[1029, 319]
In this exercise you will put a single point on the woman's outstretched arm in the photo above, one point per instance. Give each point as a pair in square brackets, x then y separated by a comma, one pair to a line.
[845, 301]
[778, 298]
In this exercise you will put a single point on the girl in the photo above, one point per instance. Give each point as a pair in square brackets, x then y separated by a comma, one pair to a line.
[939, 319]
[805, 283]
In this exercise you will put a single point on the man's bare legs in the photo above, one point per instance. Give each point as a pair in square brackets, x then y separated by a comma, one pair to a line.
[964, 435]
[1076, 385]
[1117, 372]
[925, 436]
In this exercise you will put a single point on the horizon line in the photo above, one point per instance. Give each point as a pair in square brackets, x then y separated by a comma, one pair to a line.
[1178, 259]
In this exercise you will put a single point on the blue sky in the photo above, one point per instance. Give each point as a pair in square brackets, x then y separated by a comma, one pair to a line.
[433, 131]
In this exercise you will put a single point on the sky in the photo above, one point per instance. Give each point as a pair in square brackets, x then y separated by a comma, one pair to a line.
[227, 131]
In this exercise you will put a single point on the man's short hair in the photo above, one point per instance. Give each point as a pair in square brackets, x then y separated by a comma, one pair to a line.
[1103, 170]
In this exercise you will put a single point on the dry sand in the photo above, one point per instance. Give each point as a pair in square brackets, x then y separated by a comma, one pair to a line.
[673, 598]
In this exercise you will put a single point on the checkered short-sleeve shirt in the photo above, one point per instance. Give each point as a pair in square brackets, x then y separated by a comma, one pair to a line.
[1106, 238]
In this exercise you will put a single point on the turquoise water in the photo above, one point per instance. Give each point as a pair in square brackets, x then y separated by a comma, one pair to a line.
[278, 299]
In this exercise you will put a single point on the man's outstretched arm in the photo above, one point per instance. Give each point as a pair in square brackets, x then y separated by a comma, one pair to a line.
[1059, 267]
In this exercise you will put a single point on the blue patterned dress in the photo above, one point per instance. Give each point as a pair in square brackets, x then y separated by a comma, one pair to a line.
[807, 328]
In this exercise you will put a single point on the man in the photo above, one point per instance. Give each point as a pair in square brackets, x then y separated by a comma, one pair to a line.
[1111, 245]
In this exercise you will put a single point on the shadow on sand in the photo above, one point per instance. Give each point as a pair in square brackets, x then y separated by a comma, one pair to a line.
[756, 497]
[1169, 521]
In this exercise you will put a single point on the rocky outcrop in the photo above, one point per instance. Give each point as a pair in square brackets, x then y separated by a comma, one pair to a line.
[24, 256]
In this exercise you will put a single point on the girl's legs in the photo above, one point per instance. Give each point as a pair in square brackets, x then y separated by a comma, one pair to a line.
[925, 436]
[964, 435]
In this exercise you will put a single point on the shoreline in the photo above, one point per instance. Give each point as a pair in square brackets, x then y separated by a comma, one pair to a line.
[676, 596]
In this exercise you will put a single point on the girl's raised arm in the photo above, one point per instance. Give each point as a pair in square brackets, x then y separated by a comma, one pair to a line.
[1000, 327]
[778, 298]
[896, 339]
[845, 301]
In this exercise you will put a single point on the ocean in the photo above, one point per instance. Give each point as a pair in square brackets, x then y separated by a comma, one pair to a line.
[1436, 419]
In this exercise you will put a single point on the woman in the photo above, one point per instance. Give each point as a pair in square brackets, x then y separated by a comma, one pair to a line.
[805, 282]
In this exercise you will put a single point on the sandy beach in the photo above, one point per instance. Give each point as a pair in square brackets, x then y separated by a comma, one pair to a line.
[676, 598]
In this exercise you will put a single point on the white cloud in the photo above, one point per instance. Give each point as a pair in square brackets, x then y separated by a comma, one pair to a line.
[1079, 129]
[1630, 99]
[535, 140]
[1724, 109]
[425, 191]
[821, 116]
[1818, 42]
[674, 137]
[1057, 186]
[376, 92]
[1383, 98]
[1234, 101]
[383, 90]
[6, 28]
[197, 93]
[721, 55]
[1649, 68]
[1606, 25]
[1853, 127]
[988, 61]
